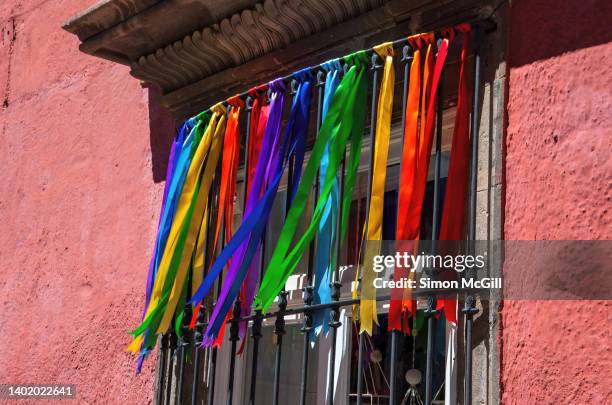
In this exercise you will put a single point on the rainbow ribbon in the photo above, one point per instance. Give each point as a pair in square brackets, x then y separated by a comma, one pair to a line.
[345, 119]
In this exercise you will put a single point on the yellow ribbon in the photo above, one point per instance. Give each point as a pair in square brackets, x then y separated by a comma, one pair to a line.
[201, 169]
[198, 256]
[207, 161]
[367, 311]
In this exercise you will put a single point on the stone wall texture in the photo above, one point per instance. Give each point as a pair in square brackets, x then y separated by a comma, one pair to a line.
[78, 208]
[558, 169]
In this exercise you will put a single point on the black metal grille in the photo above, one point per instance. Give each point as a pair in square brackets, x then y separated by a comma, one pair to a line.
[195, 368]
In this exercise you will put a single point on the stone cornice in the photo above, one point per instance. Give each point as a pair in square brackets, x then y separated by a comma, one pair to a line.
[199, 51]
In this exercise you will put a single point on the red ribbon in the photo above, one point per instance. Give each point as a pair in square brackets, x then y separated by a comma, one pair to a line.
[257, 126]
[412, 189]
[402, 305]
[229, 170]
[453, 215]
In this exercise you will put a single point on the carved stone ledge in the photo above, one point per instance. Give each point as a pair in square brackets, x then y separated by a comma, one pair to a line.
[271, 25]
[200, 51]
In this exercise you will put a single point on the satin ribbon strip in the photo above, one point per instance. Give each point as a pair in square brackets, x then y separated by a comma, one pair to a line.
[247, 238]
[425, 144]
[199, 202]
[367, 307]
[187, 222]
[197, 126]
[294, 146]
[325, 255]
[418, 93]
[177, 262]
[412, 225]
[175, 149]
[259, 118]
[453, 214]
[344, 119]
[297, 129]
[193, 129]
[229, 169]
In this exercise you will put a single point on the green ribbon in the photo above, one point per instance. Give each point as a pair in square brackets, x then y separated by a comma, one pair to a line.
[345, 118]
[152, 321]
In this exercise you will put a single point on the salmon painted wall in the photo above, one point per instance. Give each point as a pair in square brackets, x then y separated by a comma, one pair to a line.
[79, 196]
[83, 149]
[557, 184]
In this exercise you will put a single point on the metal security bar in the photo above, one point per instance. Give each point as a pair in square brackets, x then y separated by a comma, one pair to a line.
[469, 309]
[173, 352]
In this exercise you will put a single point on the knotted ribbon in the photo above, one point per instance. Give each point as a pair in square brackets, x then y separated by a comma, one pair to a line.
[187, 221]
[453, 214]
[241, 248]
[345, 118]
[367, 306]
[295, 135]
[325, 255]
[175, 149]
[417, 97]
[174, 191]
[229, 170]
[259, 119]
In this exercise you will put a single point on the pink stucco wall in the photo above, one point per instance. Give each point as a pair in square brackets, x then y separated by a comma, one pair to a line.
[78, 202]
[557, 186]
[78, 207]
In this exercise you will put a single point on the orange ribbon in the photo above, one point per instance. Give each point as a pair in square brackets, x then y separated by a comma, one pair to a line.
[257, 127]
[406, 224]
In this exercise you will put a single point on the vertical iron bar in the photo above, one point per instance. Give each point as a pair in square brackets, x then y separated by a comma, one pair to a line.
[162, 355]
[429, 313]
[437, 165]
[257, 322]
[256, 327]
[470, 302]
[236, 309]
[279, 326]
[212, 366]
[359, 366]
[308, 289]
[431, 301]
[393, 367]
[375, 68]
[212, 371]
[201, 318]
[306, 328]
[279, 330]
[311, 252]
[256, 335]
[184, 344]
[335, 295]
[234, 339]
[335, 287]
[406, 57]
[172, 345]
[197, 349]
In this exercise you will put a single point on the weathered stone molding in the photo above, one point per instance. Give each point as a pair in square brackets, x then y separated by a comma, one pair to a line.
[201, 51]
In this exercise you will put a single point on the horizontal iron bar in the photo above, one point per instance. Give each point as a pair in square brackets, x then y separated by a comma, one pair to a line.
[346, 302]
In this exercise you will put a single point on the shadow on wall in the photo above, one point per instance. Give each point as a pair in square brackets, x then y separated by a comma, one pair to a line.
[539, 29]
[162, 128]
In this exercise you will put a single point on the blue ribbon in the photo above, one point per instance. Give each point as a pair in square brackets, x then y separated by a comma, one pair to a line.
[168, 209]
[325, 254]
[294, 144]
